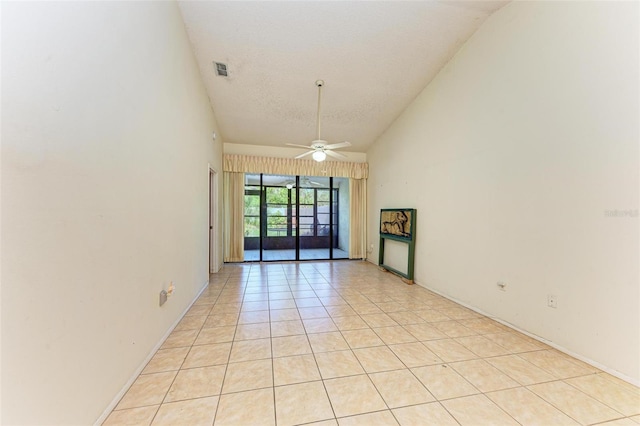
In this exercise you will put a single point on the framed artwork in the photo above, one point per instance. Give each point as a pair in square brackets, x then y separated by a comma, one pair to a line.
[398, 225]
[397, 222]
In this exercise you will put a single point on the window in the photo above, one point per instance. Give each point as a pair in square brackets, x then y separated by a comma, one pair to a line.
[307, 212]
[281, 211]
[278, 203]
[252, 211]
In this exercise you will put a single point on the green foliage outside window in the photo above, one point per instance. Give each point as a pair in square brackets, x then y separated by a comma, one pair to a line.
[281, 200]
[252, 215]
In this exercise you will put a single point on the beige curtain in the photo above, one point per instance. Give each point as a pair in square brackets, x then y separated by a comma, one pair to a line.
[358, 218]
[235, 166]
[291, 166]
[233, 217]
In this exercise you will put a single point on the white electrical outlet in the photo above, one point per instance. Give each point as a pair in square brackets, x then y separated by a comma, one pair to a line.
[552, 301]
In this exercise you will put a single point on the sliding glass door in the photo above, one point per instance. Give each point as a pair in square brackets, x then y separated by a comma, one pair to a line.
[252, 217]
[279, 224]
[295, 218]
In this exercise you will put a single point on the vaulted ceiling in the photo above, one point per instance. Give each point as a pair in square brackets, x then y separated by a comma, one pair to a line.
[375, 58]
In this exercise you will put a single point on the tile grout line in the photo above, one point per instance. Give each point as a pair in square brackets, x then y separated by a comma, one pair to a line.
[379, 293]
[226, 367]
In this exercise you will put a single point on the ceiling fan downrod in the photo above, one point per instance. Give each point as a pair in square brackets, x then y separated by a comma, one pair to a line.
[319, 83]
[319, 149]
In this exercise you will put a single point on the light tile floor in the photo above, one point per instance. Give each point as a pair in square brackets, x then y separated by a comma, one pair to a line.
[329, 343]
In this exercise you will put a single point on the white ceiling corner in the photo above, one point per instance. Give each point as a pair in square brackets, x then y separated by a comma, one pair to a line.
[375, 58]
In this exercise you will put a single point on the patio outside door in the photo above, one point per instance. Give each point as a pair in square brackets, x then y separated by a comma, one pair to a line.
[279, 225]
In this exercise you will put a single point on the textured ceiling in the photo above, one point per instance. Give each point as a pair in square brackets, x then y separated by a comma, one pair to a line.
[375, 58]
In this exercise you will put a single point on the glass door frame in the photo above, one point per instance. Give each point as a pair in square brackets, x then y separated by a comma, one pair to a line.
[293, 213]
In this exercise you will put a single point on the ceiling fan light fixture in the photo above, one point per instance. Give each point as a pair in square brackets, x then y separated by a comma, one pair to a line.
[289, 186]
[319, 156]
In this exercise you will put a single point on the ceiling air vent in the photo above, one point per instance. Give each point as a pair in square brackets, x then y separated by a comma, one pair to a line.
[221, 69]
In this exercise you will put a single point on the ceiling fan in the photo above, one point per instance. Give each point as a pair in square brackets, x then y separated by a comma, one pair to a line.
[304, 181]
[319, 149]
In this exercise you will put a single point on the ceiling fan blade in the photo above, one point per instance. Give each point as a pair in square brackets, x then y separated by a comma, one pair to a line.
[315, 183]
[299, 146]
[305, 154]
[320, 145]
[335, 154]
[338, 145]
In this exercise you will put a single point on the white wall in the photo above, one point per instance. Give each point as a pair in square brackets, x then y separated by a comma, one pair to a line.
[513, 156]
[106, 142]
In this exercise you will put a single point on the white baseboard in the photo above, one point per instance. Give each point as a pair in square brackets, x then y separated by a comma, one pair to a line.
[539, 338]
[144, 363]
[615, 373]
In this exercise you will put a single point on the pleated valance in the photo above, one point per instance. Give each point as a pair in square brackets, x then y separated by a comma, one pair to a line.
[290, 166]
